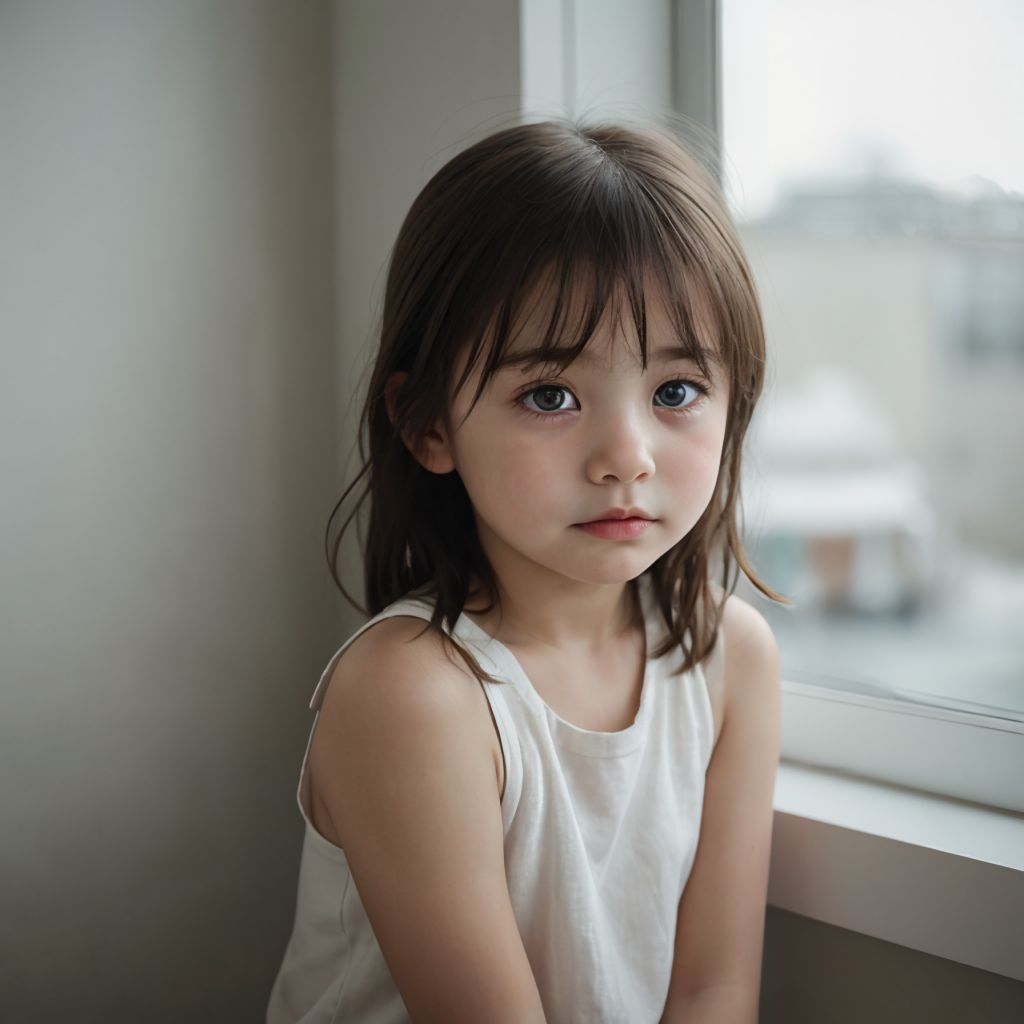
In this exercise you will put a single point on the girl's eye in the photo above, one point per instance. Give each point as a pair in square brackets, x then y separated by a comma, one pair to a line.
[550, 399]
[676, 394]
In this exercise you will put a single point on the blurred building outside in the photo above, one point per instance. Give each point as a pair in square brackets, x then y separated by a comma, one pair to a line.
[886, 488]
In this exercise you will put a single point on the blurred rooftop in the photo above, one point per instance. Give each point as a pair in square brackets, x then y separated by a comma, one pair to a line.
[880, 205]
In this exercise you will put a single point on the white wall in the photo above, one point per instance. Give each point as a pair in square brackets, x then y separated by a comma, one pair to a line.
[597, 58]
[414, 83]
[167, 461]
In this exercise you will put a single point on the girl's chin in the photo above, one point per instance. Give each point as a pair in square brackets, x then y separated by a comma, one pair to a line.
[613, 571]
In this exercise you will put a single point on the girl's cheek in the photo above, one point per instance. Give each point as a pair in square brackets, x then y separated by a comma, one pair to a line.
[694, 466]
[520, 478]
[532, 472]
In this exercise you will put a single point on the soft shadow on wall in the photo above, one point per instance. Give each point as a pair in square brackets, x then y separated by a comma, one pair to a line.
[167, 451]
[816, 973]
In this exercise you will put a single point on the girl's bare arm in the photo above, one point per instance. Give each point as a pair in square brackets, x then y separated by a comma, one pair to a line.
[405, 767]
[717, 963]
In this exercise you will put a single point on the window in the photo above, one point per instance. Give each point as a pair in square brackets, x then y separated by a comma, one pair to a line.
[872, 153]
[873, 156]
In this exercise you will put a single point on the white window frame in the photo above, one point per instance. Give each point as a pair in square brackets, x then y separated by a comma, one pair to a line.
[958, 754]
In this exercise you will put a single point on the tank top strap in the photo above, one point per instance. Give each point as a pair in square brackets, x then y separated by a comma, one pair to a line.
[414, 607]
[499, 684]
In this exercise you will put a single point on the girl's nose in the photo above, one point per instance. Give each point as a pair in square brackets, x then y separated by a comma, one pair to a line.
[621, 454]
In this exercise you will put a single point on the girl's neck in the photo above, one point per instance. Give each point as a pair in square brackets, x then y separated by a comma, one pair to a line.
[536, 606]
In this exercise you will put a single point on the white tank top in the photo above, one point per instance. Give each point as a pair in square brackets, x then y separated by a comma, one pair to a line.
[600, 834]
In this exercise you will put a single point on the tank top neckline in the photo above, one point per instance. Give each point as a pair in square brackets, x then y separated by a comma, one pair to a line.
[587, 742]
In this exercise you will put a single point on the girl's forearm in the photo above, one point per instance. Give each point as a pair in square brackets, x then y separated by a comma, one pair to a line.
[716, 1004]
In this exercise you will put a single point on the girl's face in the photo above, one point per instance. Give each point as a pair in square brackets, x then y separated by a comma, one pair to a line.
[593, 472]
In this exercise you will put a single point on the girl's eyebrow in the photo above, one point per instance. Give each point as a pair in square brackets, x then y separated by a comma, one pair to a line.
[670, 353]
[539, 357]
[563, 356]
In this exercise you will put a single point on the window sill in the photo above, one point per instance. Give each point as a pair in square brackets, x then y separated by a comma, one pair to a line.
[934, 874]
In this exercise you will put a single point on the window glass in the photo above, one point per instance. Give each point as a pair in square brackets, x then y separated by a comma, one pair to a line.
[874, 155]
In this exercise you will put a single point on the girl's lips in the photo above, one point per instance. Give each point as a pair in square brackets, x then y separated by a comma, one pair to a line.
[616, 529]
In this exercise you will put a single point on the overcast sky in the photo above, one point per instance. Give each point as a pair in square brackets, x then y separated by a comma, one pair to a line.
[926, 89]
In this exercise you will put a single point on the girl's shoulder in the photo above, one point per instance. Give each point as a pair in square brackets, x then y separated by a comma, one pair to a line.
[398, 666]
[746, 633]
[399, 702]
[744, 663]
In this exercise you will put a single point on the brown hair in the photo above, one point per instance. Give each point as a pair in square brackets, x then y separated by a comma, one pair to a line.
[602, 213]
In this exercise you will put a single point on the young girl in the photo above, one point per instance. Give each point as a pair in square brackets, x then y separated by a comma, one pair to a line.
[539, 785]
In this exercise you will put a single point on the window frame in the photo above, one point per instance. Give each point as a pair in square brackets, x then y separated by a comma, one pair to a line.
[957, 754]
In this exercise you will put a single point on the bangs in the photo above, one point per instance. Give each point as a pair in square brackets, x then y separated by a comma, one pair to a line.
[600, 255]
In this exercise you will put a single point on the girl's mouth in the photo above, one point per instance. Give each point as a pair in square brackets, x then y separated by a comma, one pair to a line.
[617, 527]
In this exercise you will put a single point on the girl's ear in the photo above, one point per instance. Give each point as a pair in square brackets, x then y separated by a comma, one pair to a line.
[431, 451]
